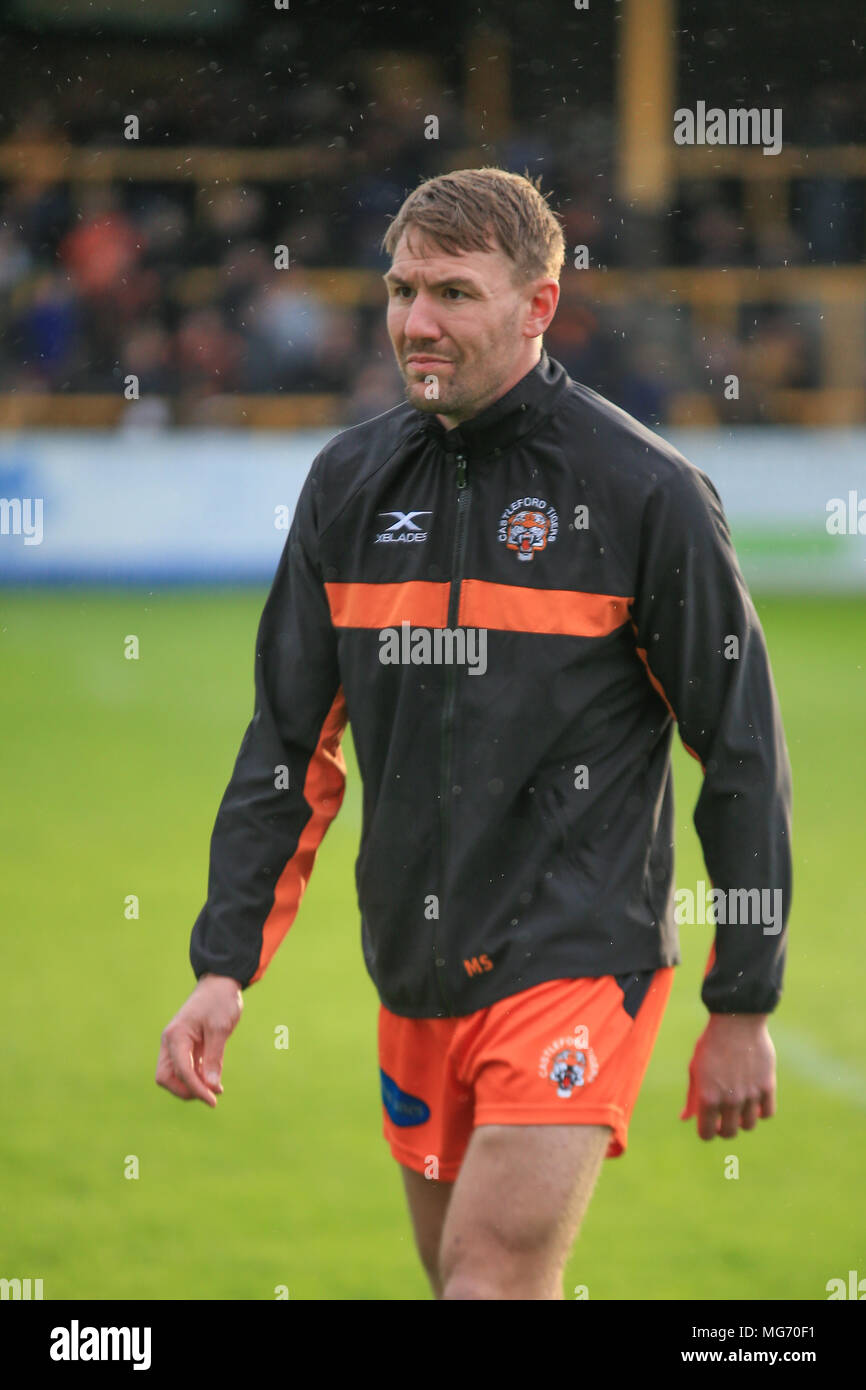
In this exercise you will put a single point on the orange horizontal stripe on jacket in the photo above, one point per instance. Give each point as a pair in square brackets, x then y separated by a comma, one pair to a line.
[566, 612]
[422, 602]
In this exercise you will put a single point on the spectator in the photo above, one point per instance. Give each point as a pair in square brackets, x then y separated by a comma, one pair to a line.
[103, 247]
[208, 354]
[47, 328]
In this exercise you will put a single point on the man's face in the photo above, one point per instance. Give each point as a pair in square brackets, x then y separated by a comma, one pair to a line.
[461, 321]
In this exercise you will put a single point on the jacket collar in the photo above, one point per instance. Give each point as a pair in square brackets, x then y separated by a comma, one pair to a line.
[520, 411]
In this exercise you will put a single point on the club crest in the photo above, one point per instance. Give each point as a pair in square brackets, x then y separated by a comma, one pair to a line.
[528, 525]
[569, 1063]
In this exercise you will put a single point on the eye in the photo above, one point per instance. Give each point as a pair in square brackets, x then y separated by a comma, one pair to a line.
[403, 291]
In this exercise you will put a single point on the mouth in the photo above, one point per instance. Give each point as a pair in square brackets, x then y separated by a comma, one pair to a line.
[417, 361]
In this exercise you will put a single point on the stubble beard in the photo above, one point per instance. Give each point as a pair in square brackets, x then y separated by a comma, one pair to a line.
[453, 400]
[447, 403]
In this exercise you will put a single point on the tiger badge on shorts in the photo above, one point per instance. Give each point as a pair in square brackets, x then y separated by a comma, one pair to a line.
[569, 1062]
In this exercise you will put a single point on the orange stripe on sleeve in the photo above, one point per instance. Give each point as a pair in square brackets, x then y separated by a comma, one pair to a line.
[424, 603]
[566, 612]
[324, 786]
[659, 688]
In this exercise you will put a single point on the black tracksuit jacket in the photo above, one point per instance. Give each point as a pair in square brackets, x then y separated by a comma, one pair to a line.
[518, 817]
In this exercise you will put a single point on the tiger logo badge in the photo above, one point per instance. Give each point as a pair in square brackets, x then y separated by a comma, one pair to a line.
[569, 1063]
[528, 526]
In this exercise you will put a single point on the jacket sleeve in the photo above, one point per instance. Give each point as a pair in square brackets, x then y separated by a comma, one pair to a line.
[289, 776]
[700, 638]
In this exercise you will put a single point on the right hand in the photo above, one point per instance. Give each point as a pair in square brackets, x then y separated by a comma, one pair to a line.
[191, 1053]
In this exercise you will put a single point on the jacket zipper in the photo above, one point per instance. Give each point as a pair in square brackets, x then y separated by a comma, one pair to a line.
[464, 498]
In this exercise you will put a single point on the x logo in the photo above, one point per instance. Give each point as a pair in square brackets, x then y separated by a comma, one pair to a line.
[404, 519]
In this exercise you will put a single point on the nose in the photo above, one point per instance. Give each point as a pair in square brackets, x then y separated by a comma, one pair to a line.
[419, 325]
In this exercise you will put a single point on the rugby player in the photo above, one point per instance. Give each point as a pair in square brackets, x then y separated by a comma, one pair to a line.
[515, 874]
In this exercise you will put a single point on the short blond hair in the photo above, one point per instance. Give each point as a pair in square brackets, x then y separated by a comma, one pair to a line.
[462, 210]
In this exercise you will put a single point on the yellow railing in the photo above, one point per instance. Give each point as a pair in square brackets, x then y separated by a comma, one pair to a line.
[21, 410]
[167, 163]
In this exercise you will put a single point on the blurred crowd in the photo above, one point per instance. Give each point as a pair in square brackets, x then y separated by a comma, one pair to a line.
[178, 287]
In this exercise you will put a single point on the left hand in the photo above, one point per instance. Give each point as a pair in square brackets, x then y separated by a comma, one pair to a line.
[732, 1075]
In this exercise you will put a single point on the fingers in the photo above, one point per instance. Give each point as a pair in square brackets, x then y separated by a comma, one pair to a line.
[768, 1102]
[691, 1104]
[729, 1114]
[165, 1077]
[691, 1107]
[727, 1118]
[210, 1063]
[708, 1120]
[176, 1069]
[209, 1078]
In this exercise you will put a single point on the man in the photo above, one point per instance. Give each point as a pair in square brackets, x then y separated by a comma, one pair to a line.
[512, 590]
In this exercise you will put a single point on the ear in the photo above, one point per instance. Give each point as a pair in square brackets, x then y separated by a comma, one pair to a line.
[542, 307]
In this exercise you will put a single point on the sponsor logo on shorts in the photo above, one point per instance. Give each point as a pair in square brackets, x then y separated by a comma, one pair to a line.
[403, 1109]
[569, 1062]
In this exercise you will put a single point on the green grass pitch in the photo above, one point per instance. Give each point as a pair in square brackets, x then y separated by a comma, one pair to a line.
[112, 772]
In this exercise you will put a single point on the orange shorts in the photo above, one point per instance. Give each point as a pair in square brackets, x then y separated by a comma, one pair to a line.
[563, 1052]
